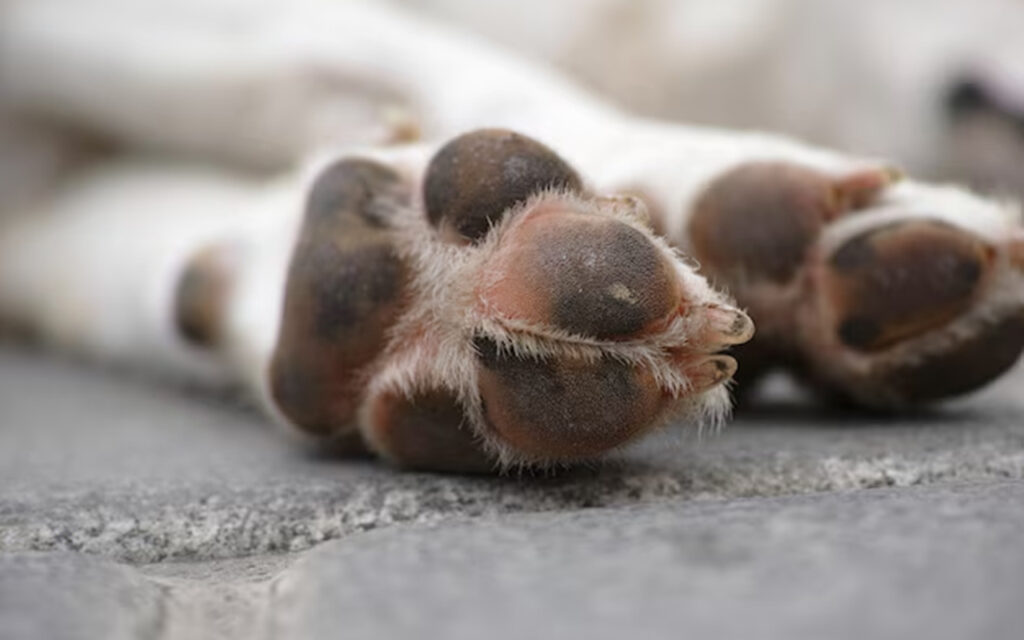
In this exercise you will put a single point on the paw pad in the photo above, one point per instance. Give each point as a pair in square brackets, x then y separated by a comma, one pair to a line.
[902, 280]
[345, 287]
[426, 431]
[758, 220]
[200, 297]
[564, 408]
[590, 276]
[474, 179]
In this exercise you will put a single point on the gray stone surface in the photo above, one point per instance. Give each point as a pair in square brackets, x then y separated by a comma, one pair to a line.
[133, 510]
[932, 562]
[94, 462]
[67, 596]
[936, 562]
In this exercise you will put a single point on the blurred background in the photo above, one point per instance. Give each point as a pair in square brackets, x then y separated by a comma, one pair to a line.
[935, 85]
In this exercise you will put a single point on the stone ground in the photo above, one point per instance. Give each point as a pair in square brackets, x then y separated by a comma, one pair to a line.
[131, 510]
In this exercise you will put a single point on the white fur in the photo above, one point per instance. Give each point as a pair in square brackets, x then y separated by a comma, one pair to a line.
[868, 76]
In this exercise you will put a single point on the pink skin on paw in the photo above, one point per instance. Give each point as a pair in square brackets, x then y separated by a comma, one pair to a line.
[585, 274]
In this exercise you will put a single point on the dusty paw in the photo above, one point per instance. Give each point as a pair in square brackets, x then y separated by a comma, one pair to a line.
[889, 293]
[515, 319]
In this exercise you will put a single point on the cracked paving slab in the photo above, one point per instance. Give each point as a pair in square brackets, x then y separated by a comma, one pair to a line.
[98, 463]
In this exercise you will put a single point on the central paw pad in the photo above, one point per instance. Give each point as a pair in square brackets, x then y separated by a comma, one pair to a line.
[588, 275]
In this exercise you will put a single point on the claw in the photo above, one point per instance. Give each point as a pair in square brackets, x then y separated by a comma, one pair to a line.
[711, 372]
[727, 326]
[856, 190]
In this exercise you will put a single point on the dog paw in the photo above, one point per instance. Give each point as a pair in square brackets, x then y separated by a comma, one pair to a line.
[491, 311]
[888, 292]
